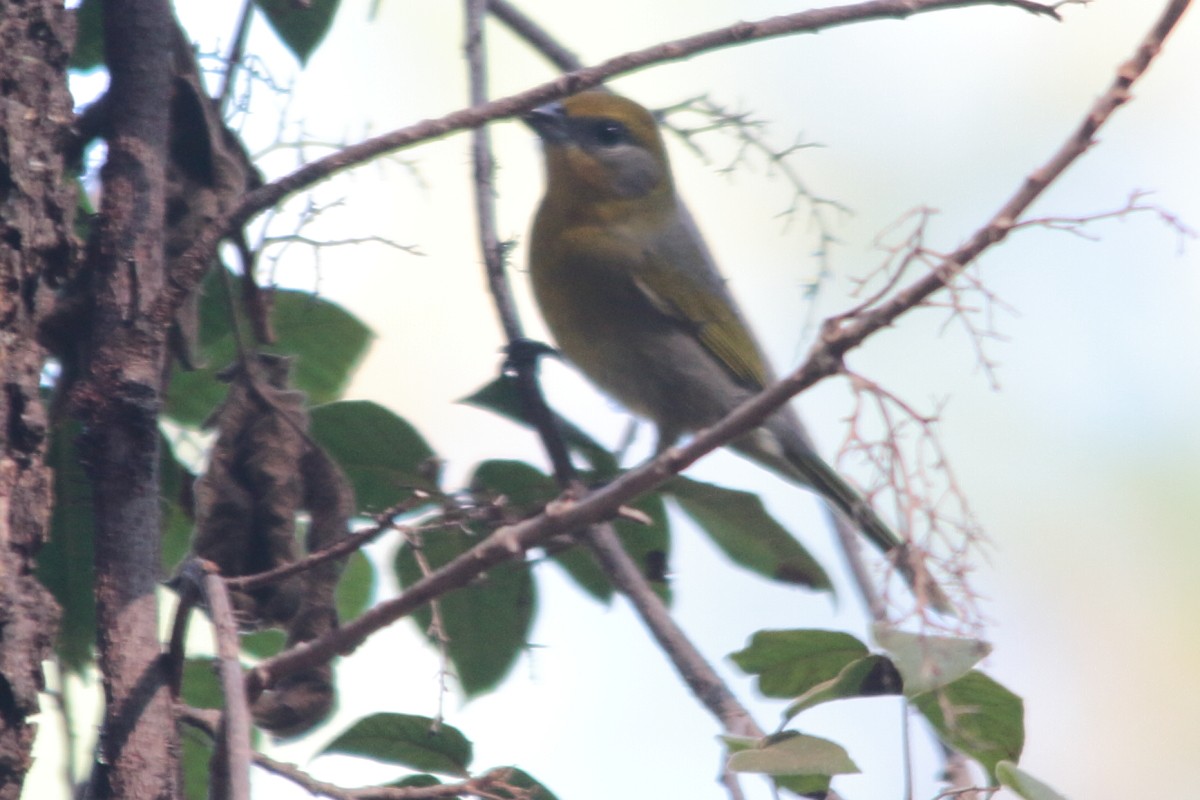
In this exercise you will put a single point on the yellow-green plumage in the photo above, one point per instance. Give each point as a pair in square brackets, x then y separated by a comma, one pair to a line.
[631, 295]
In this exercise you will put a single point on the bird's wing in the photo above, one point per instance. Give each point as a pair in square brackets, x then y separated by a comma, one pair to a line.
[697, 298]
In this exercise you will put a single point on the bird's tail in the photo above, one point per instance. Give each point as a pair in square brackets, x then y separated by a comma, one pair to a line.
[793, 456]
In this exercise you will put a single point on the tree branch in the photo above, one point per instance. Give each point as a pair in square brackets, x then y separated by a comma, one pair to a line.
[534, 35]
[195, 261]
[120, 400]
[230, 764]
[843, 333]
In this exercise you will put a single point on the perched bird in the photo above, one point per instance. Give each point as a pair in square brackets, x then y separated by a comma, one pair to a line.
[632, 297]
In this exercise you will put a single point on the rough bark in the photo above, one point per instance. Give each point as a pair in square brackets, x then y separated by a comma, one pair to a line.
[36, 244]
[119, 396]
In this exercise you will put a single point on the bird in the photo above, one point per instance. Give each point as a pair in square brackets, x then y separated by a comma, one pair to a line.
[633, 298]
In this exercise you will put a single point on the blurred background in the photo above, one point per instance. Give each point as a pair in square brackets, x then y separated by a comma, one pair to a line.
[1080, 453]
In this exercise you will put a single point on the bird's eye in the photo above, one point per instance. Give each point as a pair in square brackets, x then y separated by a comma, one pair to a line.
[609, 133]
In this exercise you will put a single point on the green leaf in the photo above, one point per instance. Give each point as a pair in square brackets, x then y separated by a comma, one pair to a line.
[174, 485]
[328, 341]
[739, 524]
[872, 676]
[1024, 784]
[648, 545]
[525, 488]
[977, 716]
[300, 26]
[263, 644]
[356, 586]
[65, 563]
[520, 779]
[381, 453]
[791, 662]
[406, 739]
[487, 623]
[790, 753]
[89, 37]
[501, 396]
[579, 564]
[928, 662]
[201, 686]
[804, 785]
[197, 750]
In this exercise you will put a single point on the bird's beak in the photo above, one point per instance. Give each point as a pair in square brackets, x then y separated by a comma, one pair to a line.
[549, 122]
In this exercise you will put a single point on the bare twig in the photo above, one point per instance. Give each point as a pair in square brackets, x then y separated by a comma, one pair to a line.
[384, 522]
[701, 678]
[231, 757]
[521, 364]
[437, 627]
[276, 247]
[189, 595]
[484, 174]
[295, 238]
[968, 793]
[1134, 204]
[958, 775]
[236, 51]
[534, 35]
[913, 467]
[850, 543]
[749, 134]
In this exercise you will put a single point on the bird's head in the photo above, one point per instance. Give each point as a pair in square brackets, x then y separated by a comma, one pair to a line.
[601, 146]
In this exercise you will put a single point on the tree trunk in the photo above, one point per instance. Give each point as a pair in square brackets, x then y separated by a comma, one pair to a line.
[119, 398]
[36, 243]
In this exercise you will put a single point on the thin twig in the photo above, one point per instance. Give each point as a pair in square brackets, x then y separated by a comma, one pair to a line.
[701, 678]
[958, 775]
[436, 630]
[850, 543]
[295, 238]
[916, 492]
[521, 364]
[232, 755]
[484, 174]
[344, 546]
[534, 35]
[234, 60]
[189, 595]
[750, 137]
